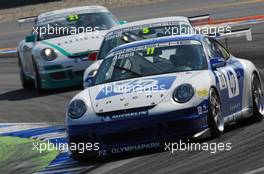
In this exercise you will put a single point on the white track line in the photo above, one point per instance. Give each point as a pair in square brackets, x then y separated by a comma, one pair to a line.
[21, 126]
[255, 171]
[48, 136]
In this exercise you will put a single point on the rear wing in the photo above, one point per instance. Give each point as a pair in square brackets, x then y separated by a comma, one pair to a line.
[27, 20]
[205, 21]
[246, 32]
[200, 20]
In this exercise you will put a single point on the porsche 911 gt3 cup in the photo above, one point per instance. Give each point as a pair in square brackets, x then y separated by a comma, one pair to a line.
[158, 27]
[150, 91]
[56, 53]
[134, 31]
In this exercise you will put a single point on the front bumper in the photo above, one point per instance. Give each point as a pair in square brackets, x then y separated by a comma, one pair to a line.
[146, 132]
[64, 74]
[61, 79]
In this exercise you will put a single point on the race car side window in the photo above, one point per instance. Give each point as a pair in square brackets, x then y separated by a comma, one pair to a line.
[216, 49]
[223, 50]
[220, 49]
[212, 51]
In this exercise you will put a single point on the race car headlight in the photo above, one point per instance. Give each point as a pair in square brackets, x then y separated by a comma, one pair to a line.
[76, 109]
[183, 93]
[48, 54]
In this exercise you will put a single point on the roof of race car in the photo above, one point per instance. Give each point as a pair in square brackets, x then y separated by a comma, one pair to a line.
[86, 9]
[150, 21]
[197, 37]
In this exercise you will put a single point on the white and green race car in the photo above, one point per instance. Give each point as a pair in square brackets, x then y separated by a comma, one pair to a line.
[56, 53]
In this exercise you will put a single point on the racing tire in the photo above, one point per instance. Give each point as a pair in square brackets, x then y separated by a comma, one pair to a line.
[37, 80]
[215, 119]
[26, 84]
[258, 99]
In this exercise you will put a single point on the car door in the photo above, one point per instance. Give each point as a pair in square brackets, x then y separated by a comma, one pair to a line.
[230, 78]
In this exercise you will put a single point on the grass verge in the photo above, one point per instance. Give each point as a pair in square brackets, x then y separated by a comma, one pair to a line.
[17, 156]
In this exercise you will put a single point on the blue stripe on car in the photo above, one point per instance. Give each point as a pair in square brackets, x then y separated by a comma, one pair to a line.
[163, 83]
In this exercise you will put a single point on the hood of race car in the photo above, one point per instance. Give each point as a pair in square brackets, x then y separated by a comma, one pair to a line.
[75, 44]
[137, 92]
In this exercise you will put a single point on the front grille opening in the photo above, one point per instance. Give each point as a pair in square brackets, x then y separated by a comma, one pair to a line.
[119, 112]
[79, 55]
[52, 67]
[58, 75]
[128, 136]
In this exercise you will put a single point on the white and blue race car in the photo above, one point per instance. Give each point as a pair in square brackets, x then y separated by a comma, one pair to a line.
[155, 28]
[161, 89]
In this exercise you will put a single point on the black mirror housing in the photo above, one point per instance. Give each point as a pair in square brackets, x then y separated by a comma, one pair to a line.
[217, 62]
[30, 39]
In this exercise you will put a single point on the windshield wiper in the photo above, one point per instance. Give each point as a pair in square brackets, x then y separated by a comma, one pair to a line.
[128, 70]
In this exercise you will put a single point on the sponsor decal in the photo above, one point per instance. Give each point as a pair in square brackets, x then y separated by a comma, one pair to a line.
[122, 56]
[222, 80]
[145, 85]
[150, 51]
[151, 48]
[202, 109]
[228, 79]
[89, 80]
[146, 146]
[233, 89]
[202, 92]
[73, 17]
[144, 28]
[130, 114]
[235, 107]
[124, 149]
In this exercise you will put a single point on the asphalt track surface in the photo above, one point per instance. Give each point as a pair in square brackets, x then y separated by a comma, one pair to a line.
[247, 154]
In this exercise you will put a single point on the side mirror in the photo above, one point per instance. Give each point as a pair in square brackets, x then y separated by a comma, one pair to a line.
[30, 39]
[89, 81]
[121, 22]
[217, 62]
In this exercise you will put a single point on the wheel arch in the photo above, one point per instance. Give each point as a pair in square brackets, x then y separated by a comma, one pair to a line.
[249, 70]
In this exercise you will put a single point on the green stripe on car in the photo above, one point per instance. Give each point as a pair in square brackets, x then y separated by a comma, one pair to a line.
[61, 50]
[64, 52]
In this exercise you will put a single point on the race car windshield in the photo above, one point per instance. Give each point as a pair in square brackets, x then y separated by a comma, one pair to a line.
[120, 38]
[75, 24]
[125, 64]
